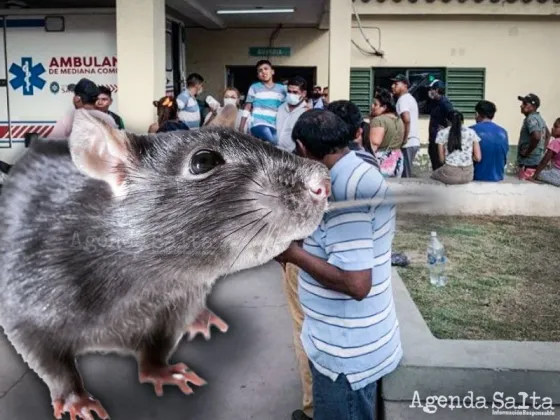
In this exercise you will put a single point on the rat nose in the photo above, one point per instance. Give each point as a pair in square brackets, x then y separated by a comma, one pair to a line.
[320, 190]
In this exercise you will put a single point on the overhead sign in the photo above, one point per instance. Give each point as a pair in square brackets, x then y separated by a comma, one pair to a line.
[270, 51]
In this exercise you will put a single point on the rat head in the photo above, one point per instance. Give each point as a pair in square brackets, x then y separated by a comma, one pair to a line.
[203, 198]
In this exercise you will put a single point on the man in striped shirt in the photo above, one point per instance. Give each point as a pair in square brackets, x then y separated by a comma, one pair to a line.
[263, 100]
[350, 331]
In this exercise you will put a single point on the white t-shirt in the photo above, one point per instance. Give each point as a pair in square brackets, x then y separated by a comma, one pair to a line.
[407, 103]
[460, 158]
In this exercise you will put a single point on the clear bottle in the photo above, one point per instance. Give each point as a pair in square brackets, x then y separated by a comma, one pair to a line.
[436, 261]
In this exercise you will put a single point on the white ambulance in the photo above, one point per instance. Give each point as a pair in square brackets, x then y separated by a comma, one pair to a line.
[42, 55]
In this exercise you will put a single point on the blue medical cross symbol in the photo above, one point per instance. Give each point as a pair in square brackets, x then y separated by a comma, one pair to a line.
[27, 76]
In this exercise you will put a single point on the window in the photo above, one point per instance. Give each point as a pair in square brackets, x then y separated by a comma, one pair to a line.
[464, 86]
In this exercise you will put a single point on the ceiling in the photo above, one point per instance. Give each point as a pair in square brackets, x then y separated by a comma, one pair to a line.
[202, 13]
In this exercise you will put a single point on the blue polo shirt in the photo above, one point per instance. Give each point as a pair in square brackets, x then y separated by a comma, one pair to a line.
[360, 339]
[494, 148]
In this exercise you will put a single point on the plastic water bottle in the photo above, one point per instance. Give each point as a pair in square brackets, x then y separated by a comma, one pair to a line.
[436, 261]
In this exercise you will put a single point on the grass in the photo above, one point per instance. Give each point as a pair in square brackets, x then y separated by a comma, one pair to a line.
[504, 276]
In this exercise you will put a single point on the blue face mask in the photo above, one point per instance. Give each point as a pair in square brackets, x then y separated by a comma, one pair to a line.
[293, 99]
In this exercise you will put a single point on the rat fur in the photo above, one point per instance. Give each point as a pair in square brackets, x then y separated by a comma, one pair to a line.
[109, 242]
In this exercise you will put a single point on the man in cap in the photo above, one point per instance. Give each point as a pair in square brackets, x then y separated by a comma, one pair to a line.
[85, 96]
[533, 137]
[438, 118]
[407, 108]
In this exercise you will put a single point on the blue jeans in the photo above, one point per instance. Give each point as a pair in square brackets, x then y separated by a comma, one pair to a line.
[265, 133]
[337, 401]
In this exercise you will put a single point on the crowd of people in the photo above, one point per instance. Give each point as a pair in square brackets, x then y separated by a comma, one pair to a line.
[390, 138]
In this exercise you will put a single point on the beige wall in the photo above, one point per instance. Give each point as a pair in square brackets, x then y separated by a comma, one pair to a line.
[209, 52]
[519, 56]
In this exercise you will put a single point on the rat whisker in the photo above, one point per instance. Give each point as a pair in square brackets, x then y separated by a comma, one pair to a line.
[244, 226]
[239, 201]
[248, 243]
[252, 180]
[266, 195]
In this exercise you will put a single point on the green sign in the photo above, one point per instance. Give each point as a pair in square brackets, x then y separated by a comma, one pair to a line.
[269, 51]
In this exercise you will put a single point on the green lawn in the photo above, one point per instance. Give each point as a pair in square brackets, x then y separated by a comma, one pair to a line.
[504, 276]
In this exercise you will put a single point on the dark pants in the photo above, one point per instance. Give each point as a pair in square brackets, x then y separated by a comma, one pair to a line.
[409, 153]
[434, 155]
[265, 133]
[337, 401]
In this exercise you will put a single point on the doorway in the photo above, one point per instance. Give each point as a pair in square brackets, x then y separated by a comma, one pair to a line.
[242, 77]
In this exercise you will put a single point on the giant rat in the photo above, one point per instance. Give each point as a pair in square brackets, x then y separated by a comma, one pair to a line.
[111, 242]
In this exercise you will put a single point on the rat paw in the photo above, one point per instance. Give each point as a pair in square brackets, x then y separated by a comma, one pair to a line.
[204, 323]
[178, 375]
[79, 407]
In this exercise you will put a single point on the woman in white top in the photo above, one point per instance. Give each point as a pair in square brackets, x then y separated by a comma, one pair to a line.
[231, 98]
[458, 148]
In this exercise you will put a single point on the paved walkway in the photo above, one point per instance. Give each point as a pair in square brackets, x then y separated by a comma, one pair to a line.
[250, 370]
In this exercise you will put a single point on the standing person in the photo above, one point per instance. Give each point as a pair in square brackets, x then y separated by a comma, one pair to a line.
[350, 330]
[494, 144]
[189, 108]
[387, 135]
[317, 98]
[290, 111]
[407, 108]
[231, 98]
[552, 156]
[167, 114]
[442, 107]
[85, 97]
[458, 149]
[326, 96]
[533, 137]
[263, 100]
[104, 102]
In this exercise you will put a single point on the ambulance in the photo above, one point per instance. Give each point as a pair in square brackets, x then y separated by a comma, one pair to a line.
[43, 55]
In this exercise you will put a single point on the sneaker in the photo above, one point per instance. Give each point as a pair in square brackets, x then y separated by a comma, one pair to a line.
[300, 415]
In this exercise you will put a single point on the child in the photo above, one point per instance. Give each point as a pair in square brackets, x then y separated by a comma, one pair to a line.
[263, 100]
[167, 114]
[551, 175]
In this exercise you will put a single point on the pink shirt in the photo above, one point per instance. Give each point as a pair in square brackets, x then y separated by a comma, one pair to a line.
[63, 127]
[554, 145]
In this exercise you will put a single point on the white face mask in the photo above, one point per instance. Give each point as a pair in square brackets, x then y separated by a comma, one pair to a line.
[230, 101]
[293, 99]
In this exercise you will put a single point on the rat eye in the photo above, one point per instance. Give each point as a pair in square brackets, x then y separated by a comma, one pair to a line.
[204, 161]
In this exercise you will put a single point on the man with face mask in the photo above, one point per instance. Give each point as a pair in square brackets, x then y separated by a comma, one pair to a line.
[189, 109]
[290, 111]
[441, 108]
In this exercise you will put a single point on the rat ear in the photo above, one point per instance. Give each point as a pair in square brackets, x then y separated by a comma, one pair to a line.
[98, 150]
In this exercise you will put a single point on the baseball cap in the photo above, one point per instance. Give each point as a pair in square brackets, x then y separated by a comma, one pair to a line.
[401, 78]
[530, 98]
[437, 84]
[86, 89]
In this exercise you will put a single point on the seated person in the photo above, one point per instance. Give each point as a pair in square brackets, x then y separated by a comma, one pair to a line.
[494, 144]
[458, 149]
[552, 156]
[168, 119]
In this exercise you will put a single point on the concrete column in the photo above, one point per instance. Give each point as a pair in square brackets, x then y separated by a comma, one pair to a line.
[141, 60]
[340, 44]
